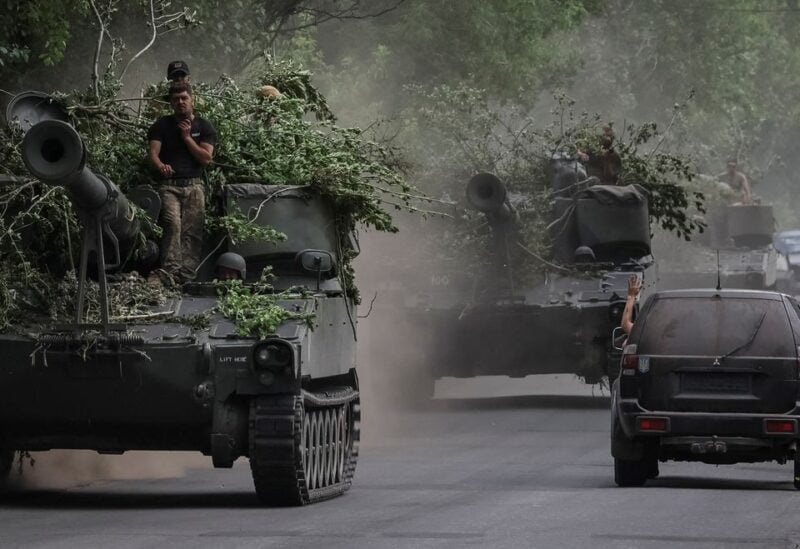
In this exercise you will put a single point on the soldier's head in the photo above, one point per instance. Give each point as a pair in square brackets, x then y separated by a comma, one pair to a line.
[584, 254]
[231, 266]
[268, 92]
[178, 71]
[732, 165]
[607, 139]
[182, 99]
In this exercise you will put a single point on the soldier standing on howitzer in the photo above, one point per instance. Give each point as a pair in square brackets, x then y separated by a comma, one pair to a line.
[737, 181]
[181, 145]
[178, 71]
[606, 163]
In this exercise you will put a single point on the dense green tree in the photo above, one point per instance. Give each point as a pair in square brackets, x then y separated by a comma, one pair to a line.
[36, 31]
[510, 48]
[740, 61]
[47, 42]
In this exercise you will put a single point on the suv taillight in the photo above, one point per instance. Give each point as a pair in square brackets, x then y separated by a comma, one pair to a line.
[780, 426]
[629, 359]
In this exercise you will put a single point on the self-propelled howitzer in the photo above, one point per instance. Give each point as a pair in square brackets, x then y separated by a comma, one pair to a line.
[735, 252]
[183, 375]
[549, 314]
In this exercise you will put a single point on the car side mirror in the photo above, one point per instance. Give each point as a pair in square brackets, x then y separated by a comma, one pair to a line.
[618, 335]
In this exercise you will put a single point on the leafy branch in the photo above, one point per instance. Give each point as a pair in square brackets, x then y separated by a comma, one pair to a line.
[255, 309]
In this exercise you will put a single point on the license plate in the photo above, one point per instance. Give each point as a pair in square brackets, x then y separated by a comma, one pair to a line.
[715, 383]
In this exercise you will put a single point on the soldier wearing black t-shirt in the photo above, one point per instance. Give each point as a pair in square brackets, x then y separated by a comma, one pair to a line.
[181, 145]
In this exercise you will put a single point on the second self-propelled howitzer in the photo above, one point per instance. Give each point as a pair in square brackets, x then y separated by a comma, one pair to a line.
[560, 318]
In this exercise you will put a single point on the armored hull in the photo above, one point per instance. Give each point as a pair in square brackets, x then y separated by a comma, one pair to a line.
[563, 326]
[168, 386]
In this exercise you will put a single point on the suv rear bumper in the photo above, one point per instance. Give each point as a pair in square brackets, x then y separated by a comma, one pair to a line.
[704, 423]
[708, 436]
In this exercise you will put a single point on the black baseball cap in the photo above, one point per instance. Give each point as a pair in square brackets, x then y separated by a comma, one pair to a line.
[176, 67]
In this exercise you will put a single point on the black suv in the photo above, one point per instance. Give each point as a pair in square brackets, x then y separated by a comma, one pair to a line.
[708, 376]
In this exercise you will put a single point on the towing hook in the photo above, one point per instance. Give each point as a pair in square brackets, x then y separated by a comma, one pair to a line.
[204, 391]
[698, 448]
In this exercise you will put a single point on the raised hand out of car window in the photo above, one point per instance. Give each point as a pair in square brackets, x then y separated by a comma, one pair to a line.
[634, 287]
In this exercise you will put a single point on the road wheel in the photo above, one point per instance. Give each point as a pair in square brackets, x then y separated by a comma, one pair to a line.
[797, 470]
[631, 472]
[304, 448]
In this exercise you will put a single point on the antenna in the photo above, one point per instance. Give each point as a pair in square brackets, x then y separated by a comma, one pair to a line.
[719, 278]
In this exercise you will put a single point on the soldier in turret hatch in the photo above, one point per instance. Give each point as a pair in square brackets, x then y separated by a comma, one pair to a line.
[231, 266]
[737, 181]
[180, 146]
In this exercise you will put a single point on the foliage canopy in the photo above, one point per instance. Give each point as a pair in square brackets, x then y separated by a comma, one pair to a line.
[290, 140]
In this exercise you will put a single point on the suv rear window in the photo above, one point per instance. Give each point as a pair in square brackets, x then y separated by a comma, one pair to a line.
[712, 326]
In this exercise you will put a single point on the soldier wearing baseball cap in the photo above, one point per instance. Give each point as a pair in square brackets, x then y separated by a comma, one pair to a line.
[177, 71]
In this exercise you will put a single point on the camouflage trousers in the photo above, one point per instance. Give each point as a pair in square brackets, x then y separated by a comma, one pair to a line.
[182, 219]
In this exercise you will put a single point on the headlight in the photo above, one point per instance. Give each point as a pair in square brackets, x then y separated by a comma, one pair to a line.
[272, 356]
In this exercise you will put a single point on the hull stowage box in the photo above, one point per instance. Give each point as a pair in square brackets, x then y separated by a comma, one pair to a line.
[751, 226]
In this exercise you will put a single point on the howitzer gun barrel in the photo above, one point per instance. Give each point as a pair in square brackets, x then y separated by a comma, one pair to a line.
[487, 194]
[54, 152]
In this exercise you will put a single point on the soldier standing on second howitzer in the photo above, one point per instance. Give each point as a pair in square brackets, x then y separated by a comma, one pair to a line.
[737, 181]
[181, 145]
[605, 164]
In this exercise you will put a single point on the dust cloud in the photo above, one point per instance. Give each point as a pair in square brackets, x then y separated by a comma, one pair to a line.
[59, 469]
[395, 350]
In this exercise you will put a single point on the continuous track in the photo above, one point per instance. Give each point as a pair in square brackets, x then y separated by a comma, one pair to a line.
[304, 448]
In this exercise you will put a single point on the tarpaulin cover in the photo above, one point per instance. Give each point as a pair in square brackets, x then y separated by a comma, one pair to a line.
[612, 195]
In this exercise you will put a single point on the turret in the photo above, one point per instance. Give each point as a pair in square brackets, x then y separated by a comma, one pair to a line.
[610, 221]
[311, 253]
[603, 223]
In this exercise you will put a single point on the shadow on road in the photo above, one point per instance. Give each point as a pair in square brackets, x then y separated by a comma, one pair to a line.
[532, 401]
[95, 500]
[706, 483]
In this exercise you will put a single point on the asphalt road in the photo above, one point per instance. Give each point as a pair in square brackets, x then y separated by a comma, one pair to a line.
[521, 472]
